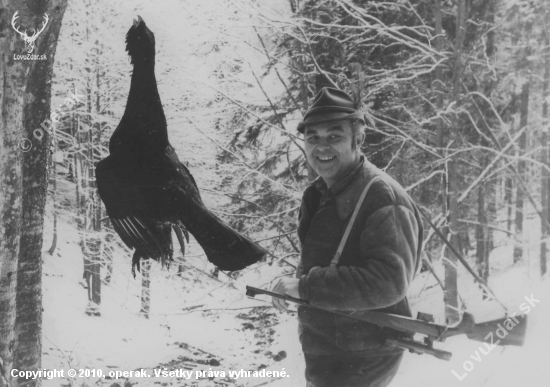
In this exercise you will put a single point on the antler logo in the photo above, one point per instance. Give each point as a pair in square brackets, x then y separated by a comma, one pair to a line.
[29, 39]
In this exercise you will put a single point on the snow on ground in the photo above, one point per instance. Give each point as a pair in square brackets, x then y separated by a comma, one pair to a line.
[501, 367]
[198, 322]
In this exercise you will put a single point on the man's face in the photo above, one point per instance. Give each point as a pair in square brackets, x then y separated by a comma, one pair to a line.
[329, 149]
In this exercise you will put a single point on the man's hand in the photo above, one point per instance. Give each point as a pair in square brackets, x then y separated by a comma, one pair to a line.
[286, 286]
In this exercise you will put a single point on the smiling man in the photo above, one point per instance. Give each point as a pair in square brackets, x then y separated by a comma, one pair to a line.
[377, 265]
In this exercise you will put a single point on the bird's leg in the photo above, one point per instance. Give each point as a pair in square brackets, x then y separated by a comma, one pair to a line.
[166, 232]
[135, 263]
[169, 257]
[179, 229]
[215, 272]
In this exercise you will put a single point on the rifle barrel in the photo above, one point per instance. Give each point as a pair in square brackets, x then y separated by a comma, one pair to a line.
[512, 330]
[396, 322]
[417, 347]
[399, 323]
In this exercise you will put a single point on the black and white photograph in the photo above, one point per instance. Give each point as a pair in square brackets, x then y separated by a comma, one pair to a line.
[274, 193]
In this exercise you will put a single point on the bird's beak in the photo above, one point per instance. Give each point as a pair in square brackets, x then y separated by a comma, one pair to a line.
[137, 21]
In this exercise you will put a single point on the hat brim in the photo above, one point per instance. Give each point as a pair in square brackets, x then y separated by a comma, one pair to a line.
[329, 117]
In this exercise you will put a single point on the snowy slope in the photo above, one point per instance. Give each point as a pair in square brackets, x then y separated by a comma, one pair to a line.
[194, 317]
[203, 323]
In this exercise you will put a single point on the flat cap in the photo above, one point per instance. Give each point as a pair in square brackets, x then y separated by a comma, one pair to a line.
[330, 105]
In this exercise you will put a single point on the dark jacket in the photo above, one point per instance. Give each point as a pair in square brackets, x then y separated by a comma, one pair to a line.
[377, 266]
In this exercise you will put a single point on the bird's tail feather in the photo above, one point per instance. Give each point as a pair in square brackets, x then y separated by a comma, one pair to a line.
[224, 247]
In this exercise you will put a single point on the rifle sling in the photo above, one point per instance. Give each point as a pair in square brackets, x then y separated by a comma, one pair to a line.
[336, 258]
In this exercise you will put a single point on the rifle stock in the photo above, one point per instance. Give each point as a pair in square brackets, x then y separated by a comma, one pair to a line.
[504, 331]
[485, 332]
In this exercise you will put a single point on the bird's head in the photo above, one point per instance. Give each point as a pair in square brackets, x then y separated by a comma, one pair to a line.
[140, 42]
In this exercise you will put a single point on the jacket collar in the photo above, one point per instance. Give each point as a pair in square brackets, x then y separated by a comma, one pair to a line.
[348, 190]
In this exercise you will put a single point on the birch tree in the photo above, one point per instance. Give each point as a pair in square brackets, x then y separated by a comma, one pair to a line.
[24, 160]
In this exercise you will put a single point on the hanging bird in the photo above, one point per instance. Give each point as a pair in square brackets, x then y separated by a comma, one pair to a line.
[147, 191]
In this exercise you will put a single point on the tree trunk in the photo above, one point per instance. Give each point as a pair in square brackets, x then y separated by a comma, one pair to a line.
[439, 75]
[480, 233]
[508, 191]
[524, 111]
[304, 91]
[544, 154]
[485, 205]
[451, 275]
[311, 173]
[483, 234]
[12, 81]
[54, 193]
[91, 238]
[441, 138]
[90, 224]
[145, 287]
[450, 296]
[25, 105]
[76, 163]
[108, 248]
[452, 312]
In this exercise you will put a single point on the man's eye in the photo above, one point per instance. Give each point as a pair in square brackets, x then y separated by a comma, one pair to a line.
[334, 137]
[312, 139]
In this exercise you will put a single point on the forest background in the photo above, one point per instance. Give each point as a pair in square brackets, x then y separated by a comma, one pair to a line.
[457, 98]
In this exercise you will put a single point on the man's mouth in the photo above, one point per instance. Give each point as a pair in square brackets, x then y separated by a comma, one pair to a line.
[326, 158]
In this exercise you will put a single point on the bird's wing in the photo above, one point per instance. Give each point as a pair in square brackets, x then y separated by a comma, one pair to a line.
[143, 193]
[183, 174]
[135, 233]
[224, 247]
[128, 210]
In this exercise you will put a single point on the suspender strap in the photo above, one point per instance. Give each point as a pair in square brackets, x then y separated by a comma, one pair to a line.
[336, 258]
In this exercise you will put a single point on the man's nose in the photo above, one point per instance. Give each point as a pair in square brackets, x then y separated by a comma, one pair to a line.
[323, 146]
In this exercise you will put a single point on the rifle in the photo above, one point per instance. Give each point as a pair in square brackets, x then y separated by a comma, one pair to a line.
[405, 326]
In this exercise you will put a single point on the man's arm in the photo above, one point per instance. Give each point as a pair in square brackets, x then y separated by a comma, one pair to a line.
[388, 248]
[289, 286]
